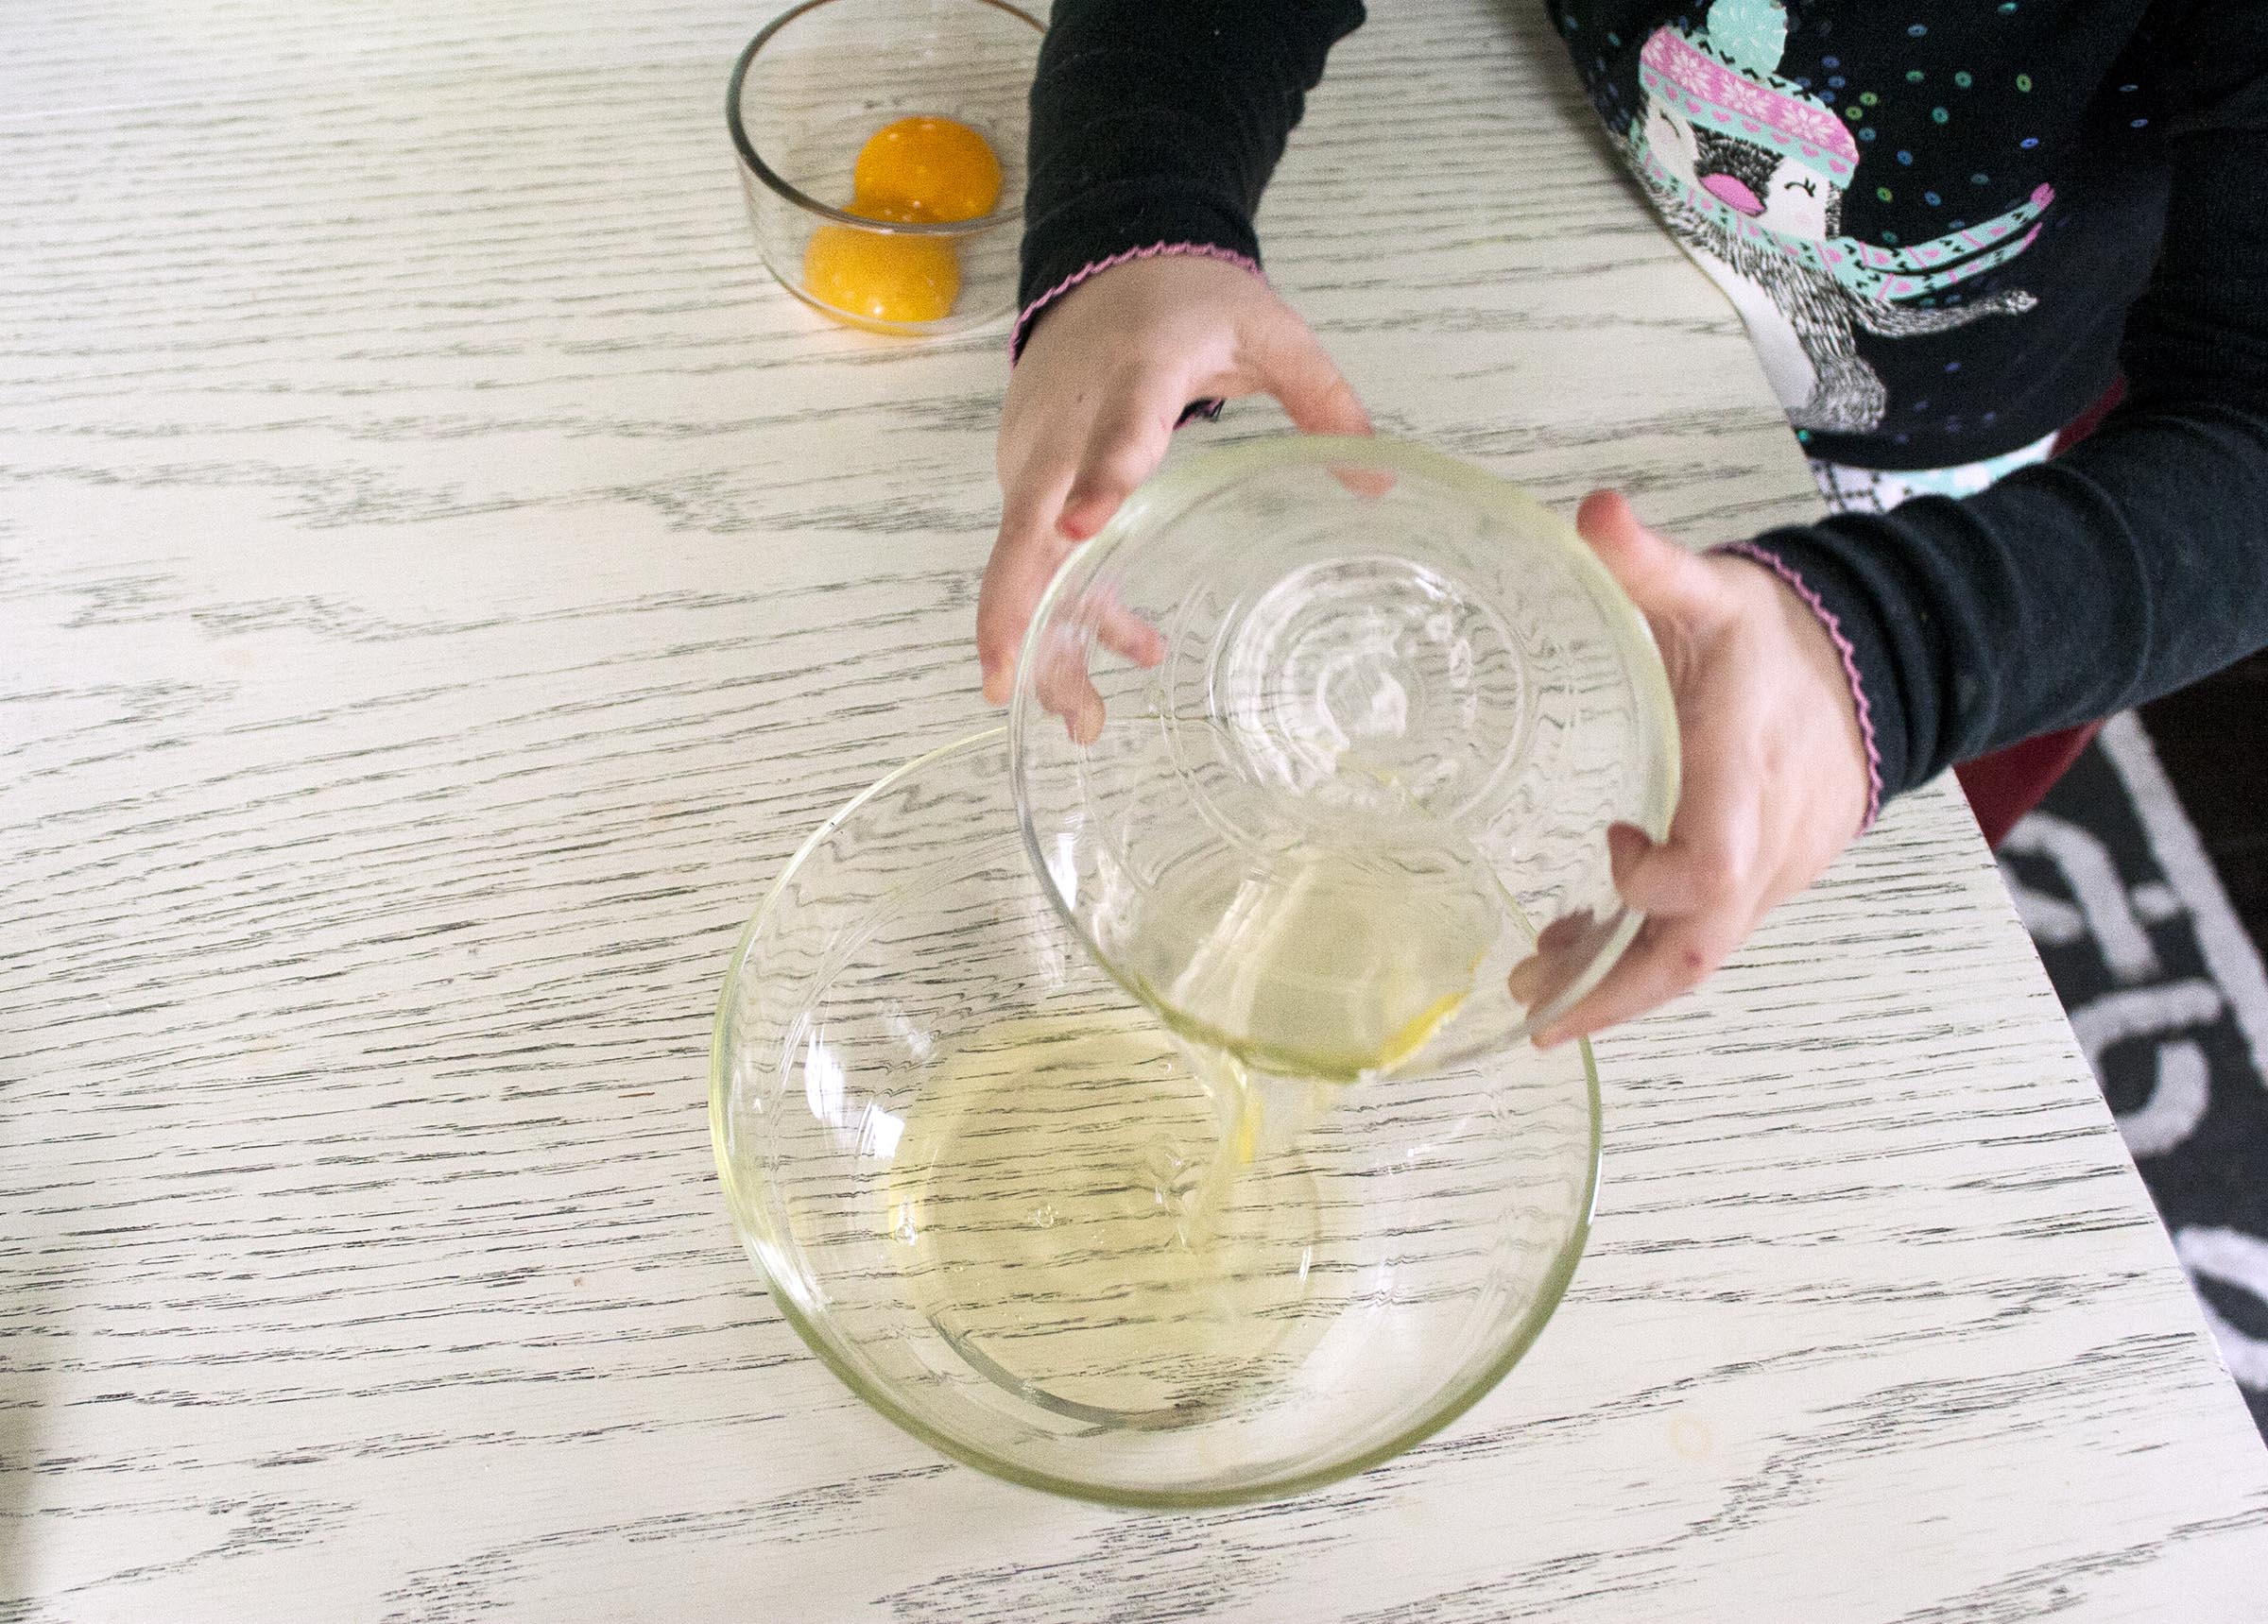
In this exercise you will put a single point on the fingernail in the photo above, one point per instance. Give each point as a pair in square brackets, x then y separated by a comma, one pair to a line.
[996, 683]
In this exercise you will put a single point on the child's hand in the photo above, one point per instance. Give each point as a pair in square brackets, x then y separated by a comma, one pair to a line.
[1776, 771]
[1092, 403]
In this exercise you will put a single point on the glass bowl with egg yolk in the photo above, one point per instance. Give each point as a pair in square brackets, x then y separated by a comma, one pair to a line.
[881, 147]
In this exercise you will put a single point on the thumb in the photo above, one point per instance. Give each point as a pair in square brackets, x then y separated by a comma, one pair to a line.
[1291, 364]
[1656, 878]
[1661, 577]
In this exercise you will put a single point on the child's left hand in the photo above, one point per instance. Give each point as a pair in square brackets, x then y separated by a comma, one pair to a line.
[1776, 772]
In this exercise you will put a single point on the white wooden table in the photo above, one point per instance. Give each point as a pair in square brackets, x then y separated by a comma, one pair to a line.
[441, 580]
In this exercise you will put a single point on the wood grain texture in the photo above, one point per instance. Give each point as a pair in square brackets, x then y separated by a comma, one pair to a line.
[441, 581]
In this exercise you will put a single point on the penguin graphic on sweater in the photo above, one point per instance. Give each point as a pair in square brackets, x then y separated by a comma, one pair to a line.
[1749, 172]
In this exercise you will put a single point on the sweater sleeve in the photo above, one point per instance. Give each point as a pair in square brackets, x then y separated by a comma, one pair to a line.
[2132, 565]
[1154, 128]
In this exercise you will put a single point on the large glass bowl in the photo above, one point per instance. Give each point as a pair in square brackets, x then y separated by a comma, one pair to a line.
[1313, 714]
[826, 74]
[977, 1176]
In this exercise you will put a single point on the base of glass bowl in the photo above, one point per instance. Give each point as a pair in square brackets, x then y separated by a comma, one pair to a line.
[950, 327]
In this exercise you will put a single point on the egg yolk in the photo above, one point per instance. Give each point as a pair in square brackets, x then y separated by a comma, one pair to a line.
[925, 168]
[915, 170]
[881, 278]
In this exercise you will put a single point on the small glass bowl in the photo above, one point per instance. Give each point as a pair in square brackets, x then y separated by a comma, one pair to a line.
[1350, 704]
[974, 1173]
[826, 74]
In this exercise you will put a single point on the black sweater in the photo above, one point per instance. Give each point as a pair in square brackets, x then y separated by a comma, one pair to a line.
[1949, 224]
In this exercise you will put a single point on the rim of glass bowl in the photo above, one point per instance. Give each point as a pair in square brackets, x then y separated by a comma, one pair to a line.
[1172, 492]
[1448, 1405]
[753, 161]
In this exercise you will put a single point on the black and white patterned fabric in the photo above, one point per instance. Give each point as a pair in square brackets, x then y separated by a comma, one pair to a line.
[2165, 989]
[1849, 490]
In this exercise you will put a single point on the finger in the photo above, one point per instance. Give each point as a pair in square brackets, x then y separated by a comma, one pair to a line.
[1669, 876]
[1024, 559]
[1627, 844]
[1124, 445]
[1563, 948]
[1063, 689]
[1288, 361]
[1662, 578]
[1712, 863]
[1062, 681]
[1292, 365]
[1362, 481]
[1669, 957]
[1538, 980]
[1565, 932]
[1125, 633]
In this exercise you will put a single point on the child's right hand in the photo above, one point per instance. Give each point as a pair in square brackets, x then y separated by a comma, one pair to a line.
[1092, 403]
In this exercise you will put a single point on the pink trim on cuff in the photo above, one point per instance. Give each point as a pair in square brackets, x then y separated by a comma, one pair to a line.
[1155, 250]
[1796, 584]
